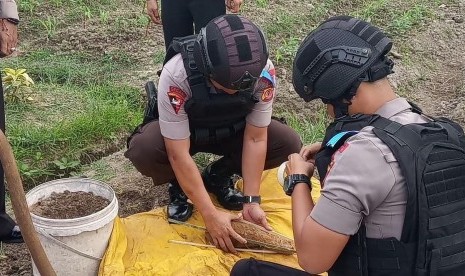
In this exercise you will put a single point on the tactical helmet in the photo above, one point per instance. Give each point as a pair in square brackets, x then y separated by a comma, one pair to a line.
[232, 51]
[334, 58]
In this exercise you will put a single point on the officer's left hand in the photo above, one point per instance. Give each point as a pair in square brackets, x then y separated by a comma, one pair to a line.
[298, 165]
[253, 212]
[233, 6]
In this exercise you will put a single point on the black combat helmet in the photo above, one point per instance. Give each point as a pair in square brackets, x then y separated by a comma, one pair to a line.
[232, 51]
[334, 58]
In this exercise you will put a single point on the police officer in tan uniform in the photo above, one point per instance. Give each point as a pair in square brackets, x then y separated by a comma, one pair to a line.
[226, 110]
[9, 231]
[343, 62]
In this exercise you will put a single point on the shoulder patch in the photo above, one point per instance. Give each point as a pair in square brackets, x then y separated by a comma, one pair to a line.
[176, 97]
[266, 85]
[343, 148]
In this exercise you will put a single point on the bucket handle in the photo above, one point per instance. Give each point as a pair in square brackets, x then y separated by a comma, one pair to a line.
[64, 245]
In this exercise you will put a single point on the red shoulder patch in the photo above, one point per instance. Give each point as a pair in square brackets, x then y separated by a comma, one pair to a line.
[343, 148]
[177, 98]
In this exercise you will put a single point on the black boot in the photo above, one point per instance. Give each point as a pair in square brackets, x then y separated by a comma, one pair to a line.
[9, 231]
[178, 208]
[218, 180]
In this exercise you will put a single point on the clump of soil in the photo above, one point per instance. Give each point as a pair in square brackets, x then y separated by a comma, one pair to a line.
[69, 205]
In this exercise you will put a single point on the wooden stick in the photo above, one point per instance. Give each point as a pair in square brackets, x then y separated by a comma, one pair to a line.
[212, 246]
[187, 224]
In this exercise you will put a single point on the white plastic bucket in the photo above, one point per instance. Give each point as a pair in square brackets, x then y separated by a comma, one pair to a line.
[74, 246]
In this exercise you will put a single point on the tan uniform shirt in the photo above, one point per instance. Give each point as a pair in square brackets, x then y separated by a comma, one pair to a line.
[174, 91]
[365, 184]
[8, 9]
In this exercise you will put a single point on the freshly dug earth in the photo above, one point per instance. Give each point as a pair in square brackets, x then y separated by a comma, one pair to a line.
[259, 238]
[69, 205]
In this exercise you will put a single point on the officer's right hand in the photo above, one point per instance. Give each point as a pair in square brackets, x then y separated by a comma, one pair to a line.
[152, 11]
[298, 165]
[220, 229]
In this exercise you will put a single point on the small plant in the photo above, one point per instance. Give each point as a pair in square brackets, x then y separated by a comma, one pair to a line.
[50, 25]
[29, 174]
[103, 15]
[67, 165]
[17, 85]
[87, 15]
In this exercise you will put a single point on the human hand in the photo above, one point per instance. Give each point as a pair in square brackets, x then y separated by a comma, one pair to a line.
[233, 6]
[309, 152]
[152, 11]
[8, 37]
[297, 164]
[219, 227]
[252, 212]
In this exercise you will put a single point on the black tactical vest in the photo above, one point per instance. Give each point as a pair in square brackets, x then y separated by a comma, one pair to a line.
[212, 117]
[432, 159]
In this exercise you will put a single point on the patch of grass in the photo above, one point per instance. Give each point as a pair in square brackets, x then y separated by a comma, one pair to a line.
[46, 66]
[68, 122]
[312, 129]
[101, 170]
[159, 57]
[410, 18]
[262, 3]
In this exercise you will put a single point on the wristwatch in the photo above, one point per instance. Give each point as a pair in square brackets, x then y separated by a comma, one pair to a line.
[252, 199]
[291, 180]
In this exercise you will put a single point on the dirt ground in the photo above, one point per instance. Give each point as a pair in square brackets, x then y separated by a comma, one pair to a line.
[432, 75]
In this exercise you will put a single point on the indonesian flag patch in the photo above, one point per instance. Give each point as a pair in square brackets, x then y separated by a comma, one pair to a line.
[177, 98]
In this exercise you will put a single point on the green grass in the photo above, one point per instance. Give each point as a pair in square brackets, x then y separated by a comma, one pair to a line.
[78, 108]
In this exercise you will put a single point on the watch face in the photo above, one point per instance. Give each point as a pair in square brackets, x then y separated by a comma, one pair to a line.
[286, 185]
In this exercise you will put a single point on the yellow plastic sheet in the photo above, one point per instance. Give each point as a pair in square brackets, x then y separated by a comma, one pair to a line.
[139, 244]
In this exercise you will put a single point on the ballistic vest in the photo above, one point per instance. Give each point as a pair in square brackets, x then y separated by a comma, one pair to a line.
[212, 117]
[432, 159]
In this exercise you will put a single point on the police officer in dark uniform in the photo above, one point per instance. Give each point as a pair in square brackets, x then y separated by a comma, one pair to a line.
[386, 207]
[9, 231]
[215, 95]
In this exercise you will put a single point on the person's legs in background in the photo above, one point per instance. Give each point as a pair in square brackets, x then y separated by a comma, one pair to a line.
[9, 231]
[203, 11]
[176, 19]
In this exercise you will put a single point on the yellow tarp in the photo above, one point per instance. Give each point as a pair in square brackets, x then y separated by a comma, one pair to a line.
[139, 243]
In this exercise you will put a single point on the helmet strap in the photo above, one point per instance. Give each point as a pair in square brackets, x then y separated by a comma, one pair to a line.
[341, 104]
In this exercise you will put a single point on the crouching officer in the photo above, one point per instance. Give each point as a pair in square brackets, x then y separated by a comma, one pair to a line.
[215, 95]
[393, 196]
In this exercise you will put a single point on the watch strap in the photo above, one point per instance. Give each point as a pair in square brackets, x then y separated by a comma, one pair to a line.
[294, 179]
[251, 199]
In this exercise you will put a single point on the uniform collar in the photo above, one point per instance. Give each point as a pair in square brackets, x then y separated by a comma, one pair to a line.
[393, 107]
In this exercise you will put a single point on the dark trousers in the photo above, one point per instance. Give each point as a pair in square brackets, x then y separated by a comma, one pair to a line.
[147, 151]
[180, 16]
[252, 267]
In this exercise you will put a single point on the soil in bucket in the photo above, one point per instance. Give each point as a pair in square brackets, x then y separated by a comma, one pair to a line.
[69, 205]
